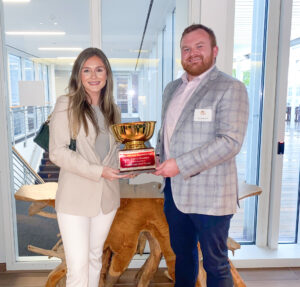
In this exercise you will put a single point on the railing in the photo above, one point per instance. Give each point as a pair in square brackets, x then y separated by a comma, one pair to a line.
[26, 121]
[23, 172]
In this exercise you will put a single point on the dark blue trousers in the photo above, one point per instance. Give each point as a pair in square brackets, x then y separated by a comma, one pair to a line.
[186, 229]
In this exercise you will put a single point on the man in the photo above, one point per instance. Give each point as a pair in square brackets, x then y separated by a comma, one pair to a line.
[204, 120]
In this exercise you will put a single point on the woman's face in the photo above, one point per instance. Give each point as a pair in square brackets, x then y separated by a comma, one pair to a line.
[93, 76]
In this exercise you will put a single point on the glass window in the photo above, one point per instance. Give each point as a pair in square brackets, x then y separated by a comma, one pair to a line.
[248, 63]
[28, 70]
[289, 209]
[14, 64]
[70, 35]
[28, 75]
[15, 73]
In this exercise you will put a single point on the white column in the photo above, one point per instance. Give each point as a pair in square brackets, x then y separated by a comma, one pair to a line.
[52, 88]
[6, 233]
[219, 16]
[194, 11]
[181, 22]
[95, 23]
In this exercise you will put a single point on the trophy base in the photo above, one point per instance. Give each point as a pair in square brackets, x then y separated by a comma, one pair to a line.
[137, 161]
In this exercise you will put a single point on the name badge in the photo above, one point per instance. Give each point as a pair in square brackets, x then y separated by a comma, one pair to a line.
[203, 115]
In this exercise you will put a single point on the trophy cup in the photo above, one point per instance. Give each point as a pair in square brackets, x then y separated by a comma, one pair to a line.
[135, 157]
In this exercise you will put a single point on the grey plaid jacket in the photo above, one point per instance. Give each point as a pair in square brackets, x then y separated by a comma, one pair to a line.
[205, 150]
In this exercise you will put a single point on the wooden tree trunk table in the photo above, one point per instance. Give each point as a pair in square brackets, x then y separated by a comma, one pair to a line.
[139, 218]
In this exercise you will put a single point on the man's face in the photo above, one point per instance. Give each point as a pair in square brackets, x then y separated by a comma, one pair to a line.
[197, 54]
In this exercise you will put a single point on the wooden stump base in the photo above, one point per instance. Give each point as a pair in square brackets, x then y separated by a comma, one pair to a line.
[139, 218]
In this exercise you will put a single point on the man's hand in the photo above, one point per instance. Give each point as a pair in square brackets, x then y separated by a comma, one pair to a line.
[168, 168]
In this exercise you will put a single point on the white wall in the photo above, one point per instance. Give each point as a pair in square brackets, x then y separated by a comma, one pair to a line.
[219, 16]
[2, 253]
[2, 249]
[61, 81]
[181, 21]
[52, 85]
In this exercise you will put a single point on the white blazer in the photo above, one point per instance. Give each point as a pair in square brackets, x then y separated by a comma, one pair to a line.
[81, 189]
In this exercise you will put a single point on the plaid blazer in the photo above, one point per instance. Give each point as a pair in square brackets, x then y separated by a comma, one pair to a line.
[205, 147]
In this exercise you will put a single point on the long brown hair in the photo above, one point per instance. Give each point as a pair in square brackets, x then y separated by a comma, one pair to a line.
[79, 107]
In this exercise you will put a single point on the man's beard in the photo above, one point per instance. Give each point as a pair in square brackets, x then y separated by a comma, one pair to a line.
[197, 68]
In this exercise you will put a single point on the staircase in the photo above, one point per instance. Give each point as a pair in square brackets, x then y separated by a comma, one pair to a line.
[48, 171]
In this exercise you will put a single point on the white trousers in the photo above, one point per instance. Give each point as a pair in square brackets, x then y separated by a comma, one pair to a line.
[83, 239]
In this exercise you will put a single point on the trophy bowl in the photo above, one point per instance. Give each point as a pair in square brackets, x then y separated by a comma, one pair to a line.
[134, 134]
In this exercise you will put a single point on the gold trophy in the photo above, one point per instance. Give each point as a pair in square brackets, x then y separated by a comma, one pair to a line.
[135, 157]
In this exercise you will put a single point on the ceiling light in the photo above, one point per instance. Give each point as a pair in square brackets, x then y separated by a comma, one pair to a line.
[60, 49]
[131, 92]
[16, 1]
[34, 33]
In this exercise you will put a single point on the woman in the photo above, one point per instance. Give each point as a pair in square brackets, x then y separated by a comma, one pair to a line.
[88, 189]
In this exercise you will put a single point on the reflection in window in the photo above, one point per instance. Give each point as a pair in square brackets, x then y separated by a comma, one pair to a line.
[249, 35]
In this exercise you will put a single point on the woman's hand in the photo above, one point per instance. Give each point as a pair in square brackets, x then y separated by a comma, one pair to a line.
[112, 174]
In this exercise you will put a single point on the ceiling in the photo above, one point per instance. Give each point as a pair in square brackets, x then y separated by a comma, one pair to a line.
[122, 22]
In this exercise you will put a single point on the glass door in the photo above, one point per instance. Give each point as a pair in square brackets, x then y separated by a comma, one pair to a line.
[126, 93]
[290, 188]
[248, 67]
